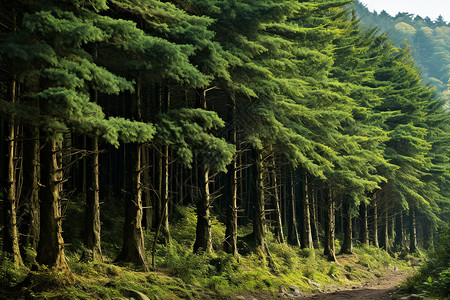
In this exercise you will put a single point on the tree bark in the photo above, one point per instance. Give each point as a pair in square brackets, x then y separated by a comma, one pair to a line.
[347, 245]
[30, 223]
[92, 223]
[50, 251]
[315, 218]
[10, 231]
[329, 248]
[293, 236]
[412, 230]
[133, 249]
[386, 229]
[230, 242]
[203, 238]
[364, 223]
[399, 237]
[374, 230]
[307, 241]
[276, 202]
[259, 232]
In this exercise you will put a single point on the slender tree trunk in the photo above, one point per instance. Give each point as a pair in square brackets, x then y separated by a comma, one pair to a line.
[11, 232]
[133, 249]
[412, 230]
[399, 237]
[386, 229]
[230, 242]
[259, 231]
[315, 219]
[203, 240]
[293, 236]
[50, 250]
[375, 222]
[307, 241]
[329, 248]
[276, 202]
[148, 211]
[347, 246]
[30, 227]
[92, 223]
[364, 223]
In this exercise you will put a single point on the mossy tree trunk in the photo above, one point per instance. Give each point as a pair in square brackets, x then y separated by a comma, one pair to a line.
[276, 201]
[315, 218]
[329, 247]
[347, 245]
[30, 223]
[50, 250]
[307, 241]
[92, 223]
[364, 223]
[203, 237]
[133, 249]
[374, 229]
[10, 231]
[230, 242]
[412, 230]
[259, 232]
[293, 236]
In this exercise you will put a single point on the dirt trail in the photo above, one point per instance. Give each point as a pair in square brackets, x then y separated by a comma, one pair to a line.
[379, 289]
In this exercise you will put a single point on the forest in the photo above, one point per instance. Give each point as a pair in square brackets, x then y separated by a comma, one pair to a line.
[428, 39]
[255, 123]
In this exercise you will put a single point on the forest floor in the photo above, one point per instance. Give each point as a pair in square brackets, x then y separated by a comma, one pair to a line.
[382, 288]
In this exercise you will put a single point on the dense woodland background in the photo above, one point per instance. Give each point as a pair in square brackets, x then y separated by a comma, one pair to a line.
[286, 116]
[429, 41]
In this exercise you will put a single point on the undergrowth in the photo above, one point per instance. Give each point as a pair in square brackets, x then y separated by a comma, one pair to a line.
[433, 277]
[181, 274]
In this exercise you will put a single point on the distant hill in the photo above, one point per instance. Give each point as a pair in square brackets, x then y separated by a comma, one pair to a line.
[429, 41]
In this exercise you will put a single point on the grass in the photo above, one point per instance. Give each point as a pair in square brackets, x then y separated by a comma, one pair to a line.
[182, 274]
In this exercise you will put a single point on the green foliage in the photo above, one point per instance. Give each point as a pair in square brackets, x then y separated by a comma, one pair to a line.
[434, 275]
[187, 131]
[9, 275]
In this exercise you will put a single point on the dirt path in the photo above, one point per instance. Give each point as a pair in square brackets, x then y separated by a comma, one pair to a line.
[379, 289]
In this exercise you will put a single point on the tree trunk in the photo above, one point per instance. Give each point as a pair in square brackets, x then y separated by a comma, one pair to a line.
[307, 241]
[133, 249]
[293, 237]
[30, 223]
[259, 232]
[147, 200]
[412, 230]
[10, 231]
[315, 218]
[364, 223]
[203, 238]
[230, 242]
[50, 251]
[375, 222]
[399, 237]
[276, 202]
[347, 246]
[133, 238]
[386, 230]
[329, 249]
[92, 223]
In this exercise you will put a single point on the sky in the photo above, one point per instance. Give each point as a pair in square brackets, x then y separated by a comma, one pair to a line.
[424, 8]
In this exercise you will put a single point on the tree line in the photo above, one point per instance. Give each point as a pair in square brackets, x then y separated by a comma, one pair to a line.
[428, 40]
[286, 115]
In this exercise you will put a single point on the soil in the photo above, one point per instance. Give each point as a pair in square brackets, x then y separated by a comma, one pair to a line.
[382, 288]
